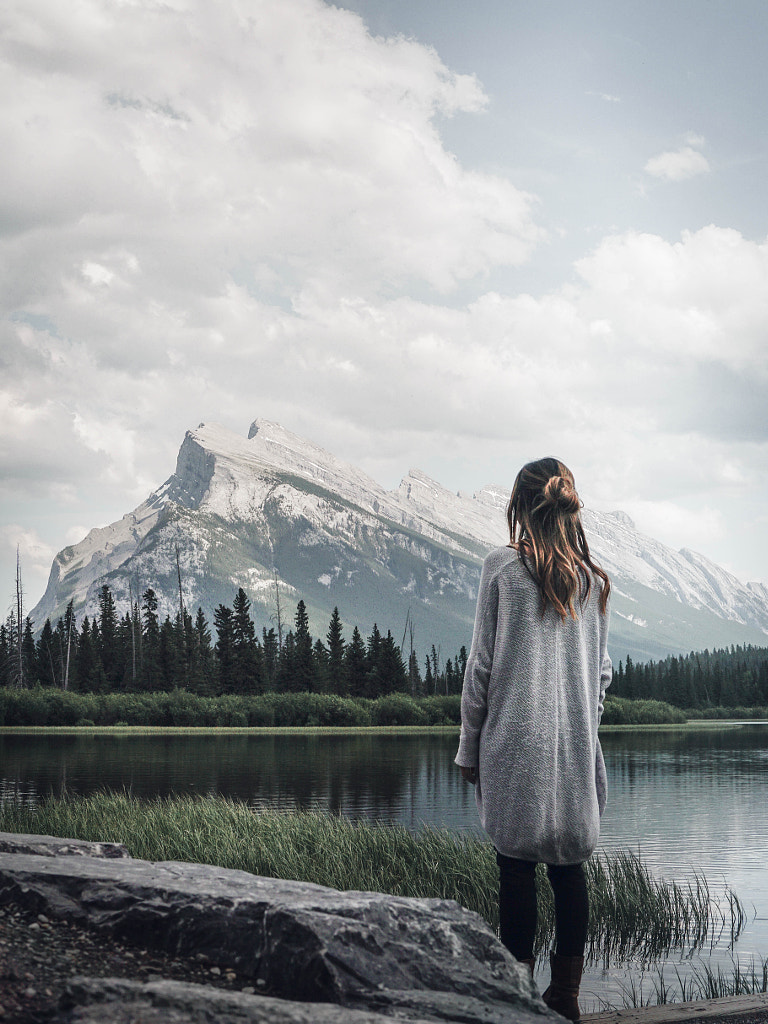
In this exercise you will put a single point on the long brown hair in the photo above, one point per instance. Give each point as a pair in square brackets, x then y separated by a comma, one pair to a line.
[545, 528]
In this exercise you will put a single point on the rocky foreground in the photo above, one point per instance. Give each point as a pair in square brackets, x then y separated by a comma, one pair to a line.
[88, 934]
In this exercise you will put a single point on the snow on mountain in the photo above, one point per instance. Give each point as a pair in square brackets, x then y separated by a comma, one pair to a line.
[274, 506]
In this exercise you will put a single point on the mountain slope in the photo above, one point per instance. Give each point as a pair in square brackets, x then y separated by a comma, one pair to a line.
[274, 507]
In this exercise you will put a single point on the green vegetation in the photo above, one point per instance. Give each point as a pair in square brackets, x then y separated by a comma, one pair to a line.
[620, 711]
[703, 680]
[45, 706]
[632, 913]
[702, 982]
[139, 654]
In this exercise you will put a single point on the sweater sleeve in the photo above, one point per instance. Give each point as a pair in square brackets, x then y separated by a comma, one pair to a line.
[474, 694]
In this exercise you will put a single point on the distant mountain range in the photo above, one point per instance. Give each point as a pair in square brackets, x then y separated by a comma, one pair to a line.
[275, 507]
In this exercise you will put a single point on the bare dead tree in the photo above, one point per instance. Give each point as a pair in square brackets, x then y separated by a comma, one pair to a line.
[70, 621]
[278, 616]
[182, 624]
[132, 617]
[19, 621]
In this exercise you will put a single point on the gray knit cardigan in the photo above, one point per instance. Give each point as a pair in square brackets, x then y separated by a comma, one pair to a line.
[530, 707]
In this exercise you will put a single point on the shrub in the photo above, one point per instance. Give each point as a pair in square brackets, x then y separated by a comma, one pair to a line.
[397, 709]
[622, 711]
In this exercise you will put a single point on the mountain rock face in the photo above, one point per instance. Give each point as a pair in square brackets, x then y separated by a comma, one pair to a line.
[274, 513]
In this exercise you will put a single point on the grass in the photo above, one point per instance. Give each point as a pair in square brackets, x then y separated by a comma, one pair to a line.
[632, 912]
[702, 981]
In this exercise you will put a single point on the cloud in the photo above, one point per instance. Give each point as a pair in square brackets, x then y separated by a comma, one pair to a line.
[680, 164]
[34, 554]
[216, 212]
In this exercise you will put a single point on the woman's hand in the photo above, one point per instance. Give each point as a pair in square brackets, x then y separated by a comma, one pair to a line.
[469, 774]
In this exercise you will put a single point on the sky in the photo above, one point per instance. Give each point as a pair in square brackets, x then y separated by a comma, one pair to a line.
[422, 233]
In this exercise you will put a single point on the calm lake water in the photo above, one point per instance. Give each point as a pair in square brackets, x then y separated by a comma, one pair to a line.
[689, 801]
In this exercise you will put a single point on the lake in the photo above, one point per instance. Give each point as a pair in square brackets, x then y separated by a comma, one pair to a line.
[687, 800]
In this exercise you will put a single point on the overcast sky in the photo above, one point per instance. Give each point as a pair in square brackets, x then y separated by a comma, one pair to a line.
[428, 233]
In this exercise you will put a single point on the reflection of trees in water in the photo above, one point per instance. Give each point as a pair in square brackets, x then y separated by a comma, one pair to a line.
[372, 776]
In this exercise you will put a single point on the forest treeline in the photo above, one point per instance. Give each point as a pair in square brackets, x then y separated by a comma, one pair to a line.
[736, 676]
[137, 652]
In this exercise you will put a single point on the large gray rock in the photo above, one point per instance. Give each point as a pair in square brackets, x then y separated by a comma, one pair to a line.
[93, 1000]
[415, 959]
[52, 846]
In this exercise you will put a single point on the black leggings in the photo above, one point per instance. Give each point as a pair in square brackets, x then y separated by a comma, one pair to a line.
[517, 906]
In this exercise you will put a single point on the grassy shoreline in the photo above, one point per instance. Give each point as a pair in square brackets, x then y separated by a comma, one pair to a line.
[692, 724]
[633, 913]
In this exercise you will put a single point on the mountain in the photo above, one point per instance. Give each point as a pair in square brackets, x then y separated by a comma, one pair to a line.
[274, 512]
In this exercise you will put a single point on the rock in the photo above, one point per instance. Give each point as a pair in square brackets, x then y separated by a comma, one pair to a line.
[173, 1002]
[51, 846]
[414, 959]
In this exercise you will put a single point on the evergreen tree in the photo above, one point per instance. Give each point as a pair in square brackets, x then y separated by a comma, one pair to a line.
[336, 678]
[429, 681]
[303, 669]
[286, 667]
[44, 655]
[29, 653]
[391, 671]
[270, 656]
[222, 621]
[150, 642]
[109, 648]
[246, 653]
[355, 665]
[414, 676]
[5, 651]
[461, 664]
[374, 684]
[87, 664]
[170, 657]
[202, 670]
[320, 671]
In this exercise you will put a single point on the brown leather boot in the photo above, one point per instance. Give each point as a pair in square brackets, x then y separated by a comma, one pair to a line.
[563, 992]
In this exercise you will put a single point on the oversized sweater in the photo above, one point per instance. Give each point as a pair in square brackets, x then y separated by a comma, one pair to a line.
[530, 707]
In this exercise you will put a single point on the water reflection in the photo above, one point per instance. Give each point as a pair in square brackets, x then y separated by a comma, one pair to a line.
[690, 802]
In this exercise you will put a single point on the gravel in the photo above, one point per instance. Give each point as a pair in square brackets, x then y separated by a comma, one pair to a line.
[39, 955]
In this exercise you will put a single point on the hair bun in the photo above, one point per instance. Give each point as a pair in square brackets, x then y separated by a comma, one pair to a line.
[559, 494]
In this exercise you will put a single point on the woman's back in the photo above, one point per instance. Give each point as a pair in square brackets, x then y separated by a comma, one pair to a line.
[537, 746]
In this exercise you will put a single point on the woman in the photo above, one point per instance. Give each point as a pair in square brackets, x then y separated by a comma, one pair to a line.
[530, 708]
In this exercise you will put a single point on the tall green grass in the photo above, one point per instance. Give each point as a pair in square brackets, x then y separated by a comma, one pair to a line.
[701, 981]
[632, 912]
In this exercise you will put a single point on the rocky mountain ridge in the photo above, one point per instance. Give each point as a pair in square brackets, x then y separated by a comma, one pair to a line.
[274, 510]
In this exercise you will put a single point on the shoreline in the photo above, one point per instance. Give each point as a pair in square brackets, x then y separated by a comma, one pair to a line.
[339, 730]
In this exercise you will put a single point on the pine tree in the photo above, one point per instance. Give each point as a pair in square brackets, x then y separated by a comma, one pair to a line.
[374, 684]
[246, 652]
[222, 621]
[270, 656]
[429, 683]
[286, 674]
[5, 655]
[391, 671]
[320, 671]
[109, 647]
[150, 642]
[87, 659]
[29, 653]
[355, 665]
[336, 679]
[414, 676]
[170, 658]
[44, 655]
[202, 668]
[303, 669]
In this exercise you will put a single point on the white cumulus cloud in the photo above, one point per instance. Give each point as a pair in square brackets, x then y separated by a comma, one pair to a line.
[678, 165]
